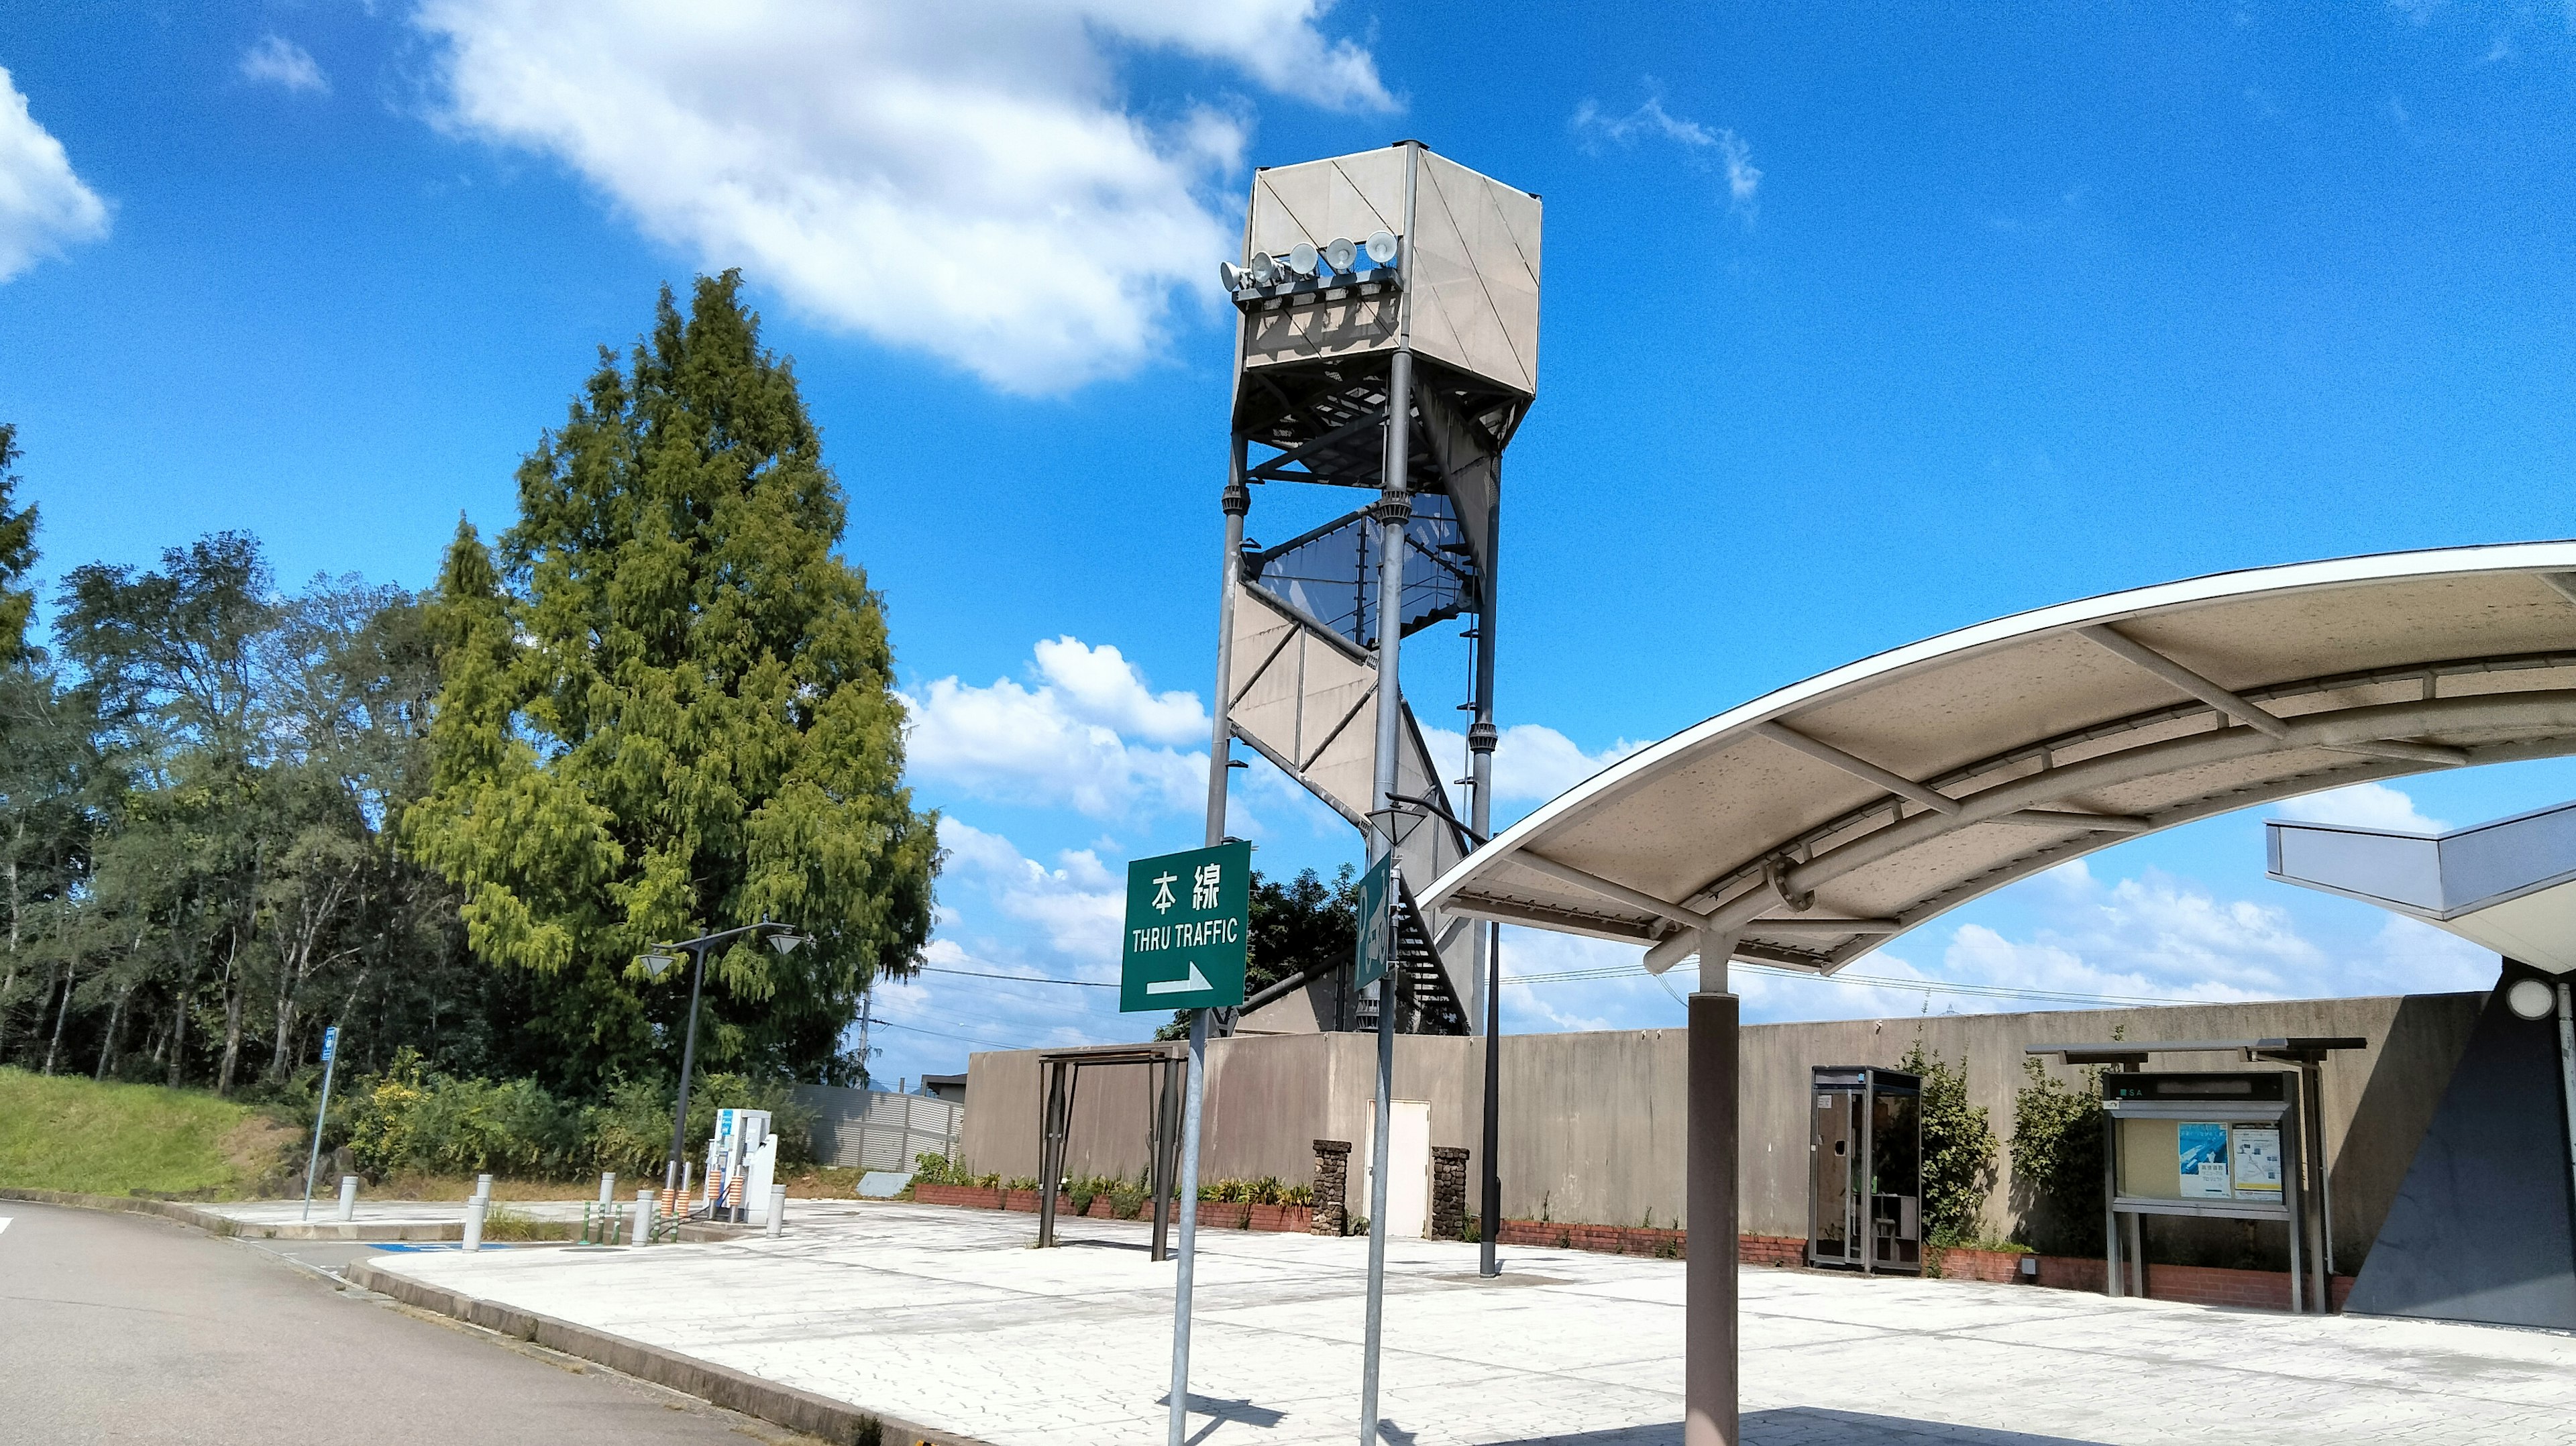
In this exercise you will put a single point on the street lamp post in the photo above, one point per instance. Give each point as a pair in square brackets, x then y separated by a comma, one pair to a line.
[783, 938]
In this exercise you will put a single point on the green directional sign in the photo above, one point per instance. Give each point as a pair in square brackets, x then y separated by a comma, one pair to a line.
[1377, 921]
[1189, 920]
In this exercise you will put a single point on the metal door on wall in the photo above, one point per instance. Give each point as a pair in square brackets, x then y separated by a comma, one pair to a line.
[1408, 1170]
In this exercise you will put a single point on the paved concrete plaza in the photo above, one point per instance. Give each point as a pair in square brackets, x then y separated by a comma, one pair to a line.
[947, 1318]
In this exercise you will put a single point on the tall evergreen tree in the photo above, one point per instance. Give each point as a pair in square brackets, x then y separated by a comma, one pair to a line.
[666, 707]
[17, 554]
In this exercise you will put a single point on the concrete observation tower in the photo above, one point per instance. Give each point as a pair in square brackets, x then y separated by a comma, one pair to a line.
[1388, 345]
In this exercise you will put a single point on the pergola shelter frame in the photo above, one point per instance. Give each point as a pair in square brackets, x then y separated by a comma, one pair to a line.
[1810, 826]
[1060, 1077]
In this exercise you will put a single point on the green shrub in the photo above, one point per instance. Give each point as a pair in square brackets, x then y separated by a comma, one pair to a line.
[1958, 1150]
[409, 1119]
[936, 1169]
[2057, 1162]
[1267, 1191]
[1022, 1182]
[1297, 1195]
[1127, 1201]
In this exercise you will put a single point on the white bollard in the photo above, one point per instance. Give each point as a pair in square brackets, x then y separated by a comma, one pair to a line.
[608, 1187]
[348, 1197]
[777, 1208]
[483, 1187]
[474, 1223]
[643, 1216]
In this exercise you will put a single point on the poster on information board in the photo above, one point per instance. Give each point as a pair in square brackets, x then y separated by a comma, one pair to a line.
[2256, 1158]
[2201, 1151]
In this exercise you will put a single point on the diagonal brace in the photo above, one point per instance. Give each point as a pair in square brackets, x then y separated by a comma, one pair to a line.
[1858, 767]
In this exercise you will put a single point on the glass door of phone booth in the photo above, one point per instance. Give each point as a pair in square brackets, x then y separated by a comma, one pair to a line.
[1865, 1148]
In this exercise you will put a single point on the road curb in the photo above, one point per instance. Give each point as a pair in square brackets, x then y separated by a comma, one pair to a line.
[723, 1386]
[179, 1210]
[216, 1223]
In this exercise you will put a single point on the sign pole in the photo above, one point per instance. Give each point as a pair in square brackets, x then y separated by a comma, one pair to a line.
[313, 1162]
[1193, 1092]
[1391, 514]
[1188, 932]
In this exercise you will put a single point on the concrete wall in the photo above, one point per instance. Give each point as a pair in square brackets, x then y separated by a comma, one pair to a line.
[1593, 1124]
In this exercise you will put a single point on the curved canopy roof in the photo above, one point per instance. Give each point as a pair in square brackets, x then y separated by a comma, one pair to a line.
[1818, 821]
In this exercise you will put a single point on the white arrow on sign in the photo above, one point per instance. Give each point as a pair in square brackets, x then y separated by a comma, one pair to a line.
[1179, 986]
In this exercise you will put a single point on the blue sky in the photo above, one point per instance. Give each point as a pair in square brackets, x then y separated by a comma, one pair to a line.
[1858, 327]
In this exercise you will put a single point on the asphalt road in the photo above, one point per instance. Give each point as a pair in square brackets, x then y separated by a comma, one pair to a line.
[131, 1328]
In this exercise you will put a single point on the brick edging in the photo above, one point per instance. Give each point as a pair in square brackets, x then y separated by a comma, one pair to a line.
[815, 1415]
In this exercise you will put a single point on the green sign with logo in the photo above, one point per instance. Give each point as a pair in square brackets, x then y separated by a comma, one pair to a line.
[1377, 920]
[1189, 922]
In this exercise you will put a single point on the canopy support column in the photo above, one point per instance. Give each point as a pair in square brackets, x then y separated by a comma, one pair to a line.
[1709, 1314]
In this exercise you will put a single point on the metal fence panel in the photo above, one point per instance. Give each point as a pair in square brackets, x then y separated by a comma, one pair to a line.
[875, 1130]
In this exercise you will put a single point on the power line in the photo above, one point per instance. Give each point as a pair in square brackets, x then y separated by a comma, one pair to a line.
[943, 1034]
[1015, 978]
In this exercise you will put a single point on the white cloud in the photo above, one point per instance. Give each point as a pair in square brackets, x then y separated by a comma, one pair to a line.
[972, 181]
[278, 61]
[1058, 744]
[2363, 805]
[1532, 762]
[1078, 905]
[1743, 178]
[43, 206]
[1651, 121]
[1103, 687]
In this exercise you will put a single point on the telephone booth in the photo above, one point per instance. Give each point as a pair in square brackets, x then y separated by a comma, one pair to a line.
[1865, 1143]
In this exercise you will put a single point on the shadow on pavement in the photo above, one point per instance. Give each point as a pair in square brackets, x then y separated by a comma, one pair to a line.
[1224, 1411]
[1809, 1426]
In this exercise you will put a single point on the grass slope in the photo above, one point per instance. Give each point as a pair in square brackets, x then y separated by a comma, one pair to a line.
[63, 1133]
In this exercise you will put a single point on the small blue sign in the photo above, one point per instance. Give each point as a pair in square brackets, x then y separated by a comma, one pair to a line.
[330, 1043]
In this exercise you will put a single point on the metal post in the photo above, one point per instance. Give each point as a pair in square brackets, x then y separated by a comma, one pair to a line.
[474, 1222]
[777, 1209]
[2294, 1179]
[483, 1186]
[2312, 1134]
[688, 1059]
[644, 1216]
[1865, 1167]
[1490, 1198]
[2567, 1071]
[608, 1187]
[313, 1162]
[1392, 511]
[1192, 1094]
[2325, 1177]
[1376, 1327]
[1167, 1125]
[1237, 501]
[1481, 739]
[2113, 1284]
[1709, 1312]
[1051, 1132]
[348, 1197]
